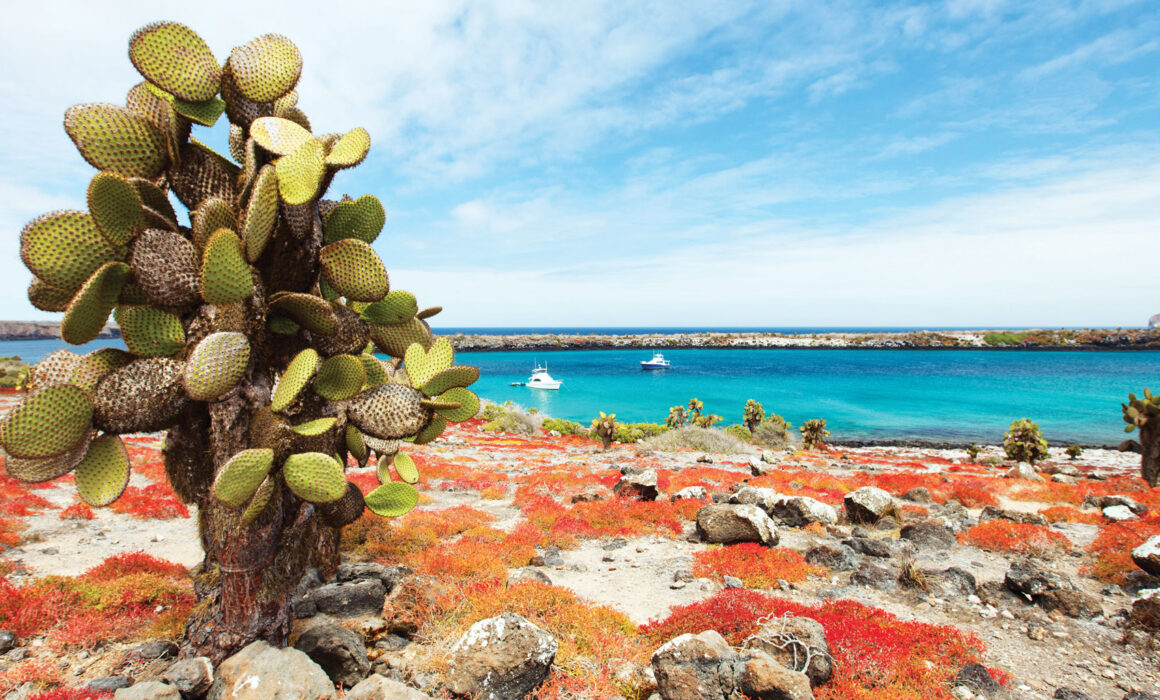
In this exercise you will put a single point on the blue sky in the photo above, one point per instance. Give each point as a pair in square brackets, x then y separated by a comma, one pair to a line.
[967, 163]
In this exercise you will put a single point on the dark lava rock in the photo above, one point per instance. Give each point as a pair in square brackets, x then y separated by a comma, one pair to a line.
[350, 599]
[929, 533]
[869, 547]
[1030, 579]
[876, 576]
[992, 513]
[979, 679]
[1071, 603]
[109, 683]
[150, 651]
[1069, 694]
[339, 651]
[7, 641]
[918, 494]
[550, 556]
[370, 571]
[840, 558]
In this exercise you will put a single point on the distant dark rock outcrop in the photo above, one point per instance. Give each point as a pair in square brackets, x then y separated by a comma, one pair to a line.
[43, 330]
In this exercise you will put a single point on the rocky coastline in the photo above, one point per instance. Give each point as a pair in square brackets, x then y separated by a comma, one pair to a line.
[43, 330]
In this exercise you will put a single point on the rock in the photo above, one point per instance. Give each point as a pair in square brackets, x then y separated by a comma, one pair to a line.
[1023, 471]
[1064, 479]
[376, 687]
[790, 640]
[840, 558]
[149, 690]
[1147, 555]
[1071, 603]
[1070, 694]
[1137, 695]
[876, 576]
[150, 651]
[929, 533]
[109, 683]
[732, 582]
[500, 658]
[408, 604]
[301, 601]
[640, 487]
[1122, 500]
[586, 497]
[527, 574]
[370, 571]
[1060, 469]
[918, 494]
[1146, 609]
[192, 677]
[763, 678]
[694, 492]
[1119, 514]
[1032, 580]
[550, 556]
[953, 583]
[799, 511]
[979, 679]
[689, 667]
[992, 513]
[867, 505]
[7, 641]
[262, 672]
[339, 651]
[870, 547]
[763, 498]
[350, 599]
[724, 523]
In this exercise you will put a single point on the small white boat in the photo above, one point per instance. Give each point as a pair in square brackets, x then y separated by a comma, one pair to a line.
[658, 361]
[540, 379]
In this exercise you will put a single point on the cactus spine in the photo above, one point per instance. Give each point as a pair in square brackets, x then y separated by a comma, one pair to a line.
[248, 330]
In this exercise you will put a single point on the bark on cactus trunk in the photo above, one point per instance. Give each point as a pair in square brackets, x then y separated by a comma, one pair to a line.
[1150, 451]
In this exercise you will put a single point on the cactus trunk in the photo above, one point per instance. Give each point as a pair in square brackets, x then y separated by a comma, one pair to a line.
[1150, 455]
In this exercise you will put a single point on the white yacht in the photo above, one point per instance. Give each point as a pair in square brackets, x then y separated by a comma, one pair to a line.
[658, 361]
[540, 379]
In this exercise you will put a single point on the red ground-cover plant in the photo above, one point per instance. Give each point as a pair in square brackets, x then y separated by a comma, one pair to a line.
[42, 673]
[615, 517]
[10, 532]
[72, 694]
[1112, 548]
[876, 655]
[1067, 514]
[25, 504]
[755, 565]
[393, 539]
[77, 511]
[1020, 538]
[153, 502]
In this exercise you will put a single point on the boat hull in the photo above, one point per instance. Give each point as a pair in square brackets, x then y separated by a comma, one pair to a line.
[543, 385]
[653, 365]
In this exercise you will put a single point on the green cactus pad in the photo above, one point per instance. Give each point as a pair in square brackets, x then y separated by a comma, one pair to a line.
[394, 339]
[389, 412]
[396, 307]
[214, 214]
[47, 423]
[354, 270]
[326, 291]
[339, 378]
[154, 197]
[113, 138]
[93, 367]
[216, 365]
[283, 326]
[241, 476]
[406, 469]
[428, 312]
[314, 313]
[362, 218]
[433, 430]
[131, 295]
[261, 499]
[205, 113]
[46, 297]
[54, 369]
[261, 213]
[64, 248]
[460, 376]
[115, 206]
[345, 510]
[468, 405]
[89, 310]
[393, 499]
[173, 57]
[204, 174]
[440, 404]
[266, 68]
[143, 396]
[104, 472]
[287, 101]
[41, 469]
[351, 334]
[298, 373]
[166, 267]
[313, 428]
[355, 444]
[422, 365]
[300, 172]
[314, 477]
[150, 332]
[295, 115]
[350, 150]
[142, 99]
[279, 136]
[376, 373]
[225, 276]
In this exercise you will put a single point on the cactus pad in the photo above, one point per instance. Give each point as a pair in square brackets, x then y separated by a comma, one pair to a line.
[89, 310]
[54, 369]
[261, 213]
[115, 205]
[459, 376]
[242, 475]
[350, 337]
[113, 138]
[314, 313]
[41, 469]
[225, 276]
[428, 312]
[261, 499]
[314, 477]
[433, 430]
[393, 499]
[394, 339]
[205, 113]
[143, 396]
[298, 373]
[166, 268]
[406, 469]
[47, 423]
[339, 378]
[215, 366]
[354, 270]
[64, 248]
[397, 307]
[214, 214]
[355, 444]
[468, 405]
[389, 412]
[283, 325]
[173, 57]
[93, 367]
[315, 427]
[376, 373]
[104, 472]
[345, 510]
[362, 218]
[150, 332]
[300, 172]
[204, 174]
[422, 365]
[279, 136]
[47, 298]
[350, 150]
[266, 68]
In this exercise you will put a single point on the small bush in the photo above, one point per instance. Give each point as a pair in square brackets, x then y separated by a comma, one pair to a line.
[604, 427]
[814, 433]
[564, 426]
[510, 418]
[691, 437]
[635, 432]
[774, 433]
[1024, 442]
[740, 432]
[1074, 451]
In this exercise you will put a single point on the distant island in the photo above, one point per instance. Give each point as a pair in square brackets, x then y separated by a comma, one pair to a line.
[43, 330]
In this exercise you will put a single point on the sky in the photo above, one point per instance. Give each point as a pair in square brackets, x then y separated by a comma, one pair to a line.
[982, 163]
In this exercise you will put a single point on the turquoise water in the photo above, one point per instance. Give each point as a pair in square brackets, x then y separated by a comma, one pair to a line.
[943, 395]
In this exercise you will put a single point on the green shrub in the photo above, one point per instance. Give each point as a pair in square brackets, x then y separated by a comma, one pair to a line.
[991, 461]
[564, 426]
[740, 432]
[635, 432]
[773, 433]
[1024, 442]
[510, 418]
[1074, 451]
[690, 437]
[814, 433]
[1005, 338]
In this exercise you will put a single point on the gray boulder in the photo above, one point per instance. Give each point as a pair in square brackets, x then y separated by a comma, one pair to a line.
[763, 498]
[799, 644]
[1147, 555]
[725, 523]
[350, 599]
[1119, 514]
[149, 690]
[369, 571]
[500, 658]
[840, 558]
[1023, 471]
[1032, 580]
[339, 651]
[693, 492]
[193, 677]
[262, 672]
[704, 667]
[928, 533]
[376, 687]
[799, 511]
[641, 486]
[1016, 516]
[867, 504]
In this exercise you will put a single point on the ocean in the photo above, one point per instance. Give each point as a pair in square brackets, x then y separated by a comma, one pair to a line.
[953, 396]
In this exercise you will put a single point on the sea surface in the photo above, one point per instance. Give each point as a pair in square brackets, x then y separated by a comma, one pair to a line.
[945, 396]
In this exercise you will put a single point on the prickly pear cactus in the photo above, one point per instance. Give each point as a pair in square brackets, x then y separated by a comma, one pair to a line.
[1024, 442]
[604, 426]
[1144, 413]
[753, 415]
[814, 433]
[250, 329]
